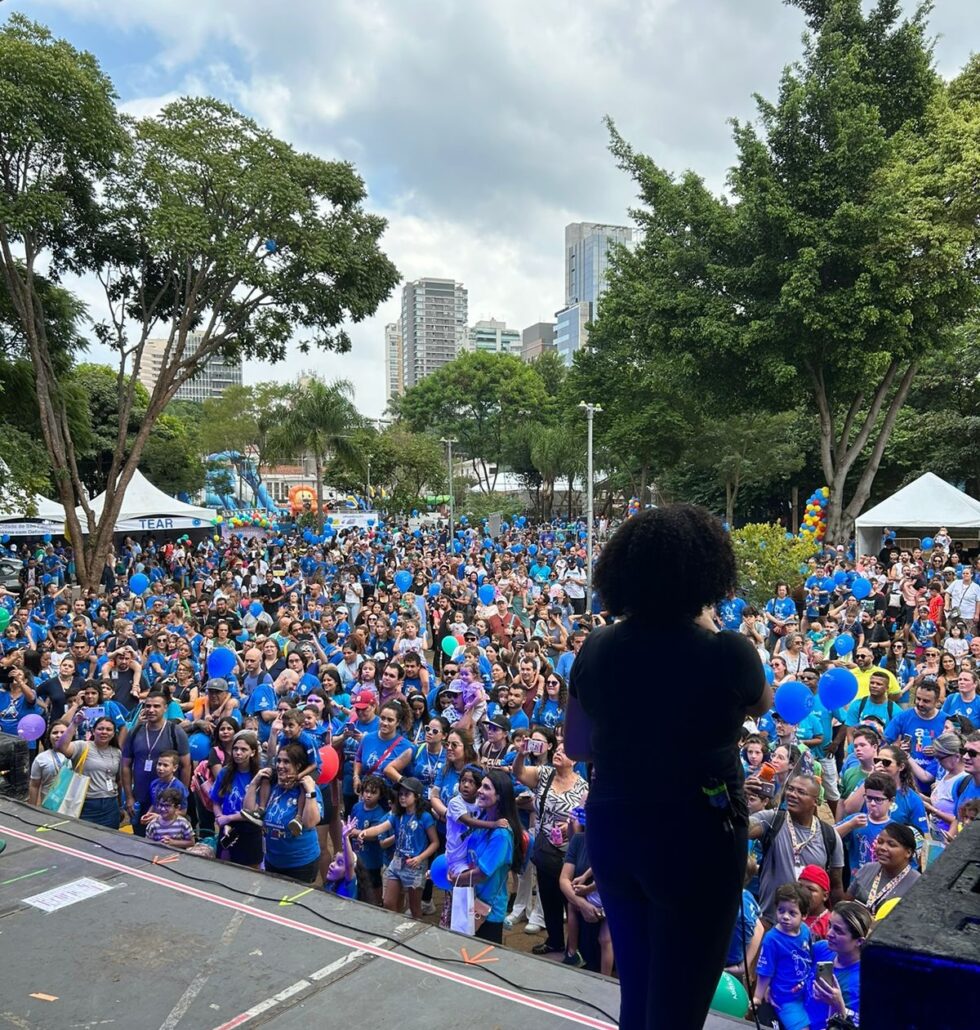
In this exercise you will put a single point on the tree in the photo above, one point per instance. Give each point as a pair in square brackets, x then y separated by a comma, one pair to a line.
[203, 229]
[480, 399]
[846, 251]
[556, 451]
[320, 421]
[171, 458]
[748, 450]
[765, 556]
[240, 419]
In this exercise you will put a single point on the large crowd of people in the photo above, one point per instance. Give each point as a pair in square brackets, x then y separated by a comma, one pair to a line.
[381, 712]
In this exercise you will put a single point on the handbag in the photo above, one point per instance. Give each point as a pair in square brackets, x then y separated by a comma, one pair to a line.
[69, 790]
[463, 918]
[546, 857]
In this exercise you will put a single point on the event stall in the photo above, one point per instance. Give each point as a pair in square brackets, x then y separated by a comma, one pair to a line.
[49, 518]
[923, 505]
[145, 509]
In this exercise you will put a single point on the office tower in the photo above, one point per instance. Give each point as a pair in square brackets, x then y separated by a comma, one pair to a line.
[216, 375]
[537, 339]
[434, 316]
[587, 251]
[394, 361]
[494, 337]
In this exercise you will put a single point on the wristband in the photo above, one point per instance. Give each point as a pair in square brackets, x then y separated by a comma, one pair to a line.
[311, 793]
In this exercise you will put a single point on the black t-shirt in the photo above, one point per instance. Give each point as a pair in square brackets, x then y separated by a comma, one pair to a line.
[667, 704]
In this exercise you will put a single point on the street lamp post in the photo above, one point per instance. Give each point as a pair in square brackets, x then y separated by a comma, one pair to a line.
[590, 412]
[449, 441]
[370, 502]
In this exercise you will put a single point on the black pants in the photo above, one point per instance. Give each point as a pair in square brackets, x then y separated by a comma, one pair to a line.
[671, 918]
[492, 932]
[300, 873]
[548, 864]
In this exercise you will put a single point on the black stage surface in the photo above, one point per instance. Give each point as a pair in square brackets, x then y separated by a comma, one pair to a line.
[179, 941]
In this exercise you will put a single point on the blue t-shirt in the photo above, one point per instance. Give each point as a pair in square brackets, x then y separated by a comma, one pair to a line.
[849, 978]
[426, 766]
[547, 713]
[281, 847]
[922, 731]
[261, 699]
[158, 786]
[861, 709]
[781, 607]
[370, 855]
[908, 808]
[411, 833]
[955, 705]
[232, 802]
[730, 612]
[310, 745]
[745, 924]
[970, 792]
[351, 745]
[11, 712]
[519, 721]
[376, 754]
[789, 962]
[492, 851]
[861, 842]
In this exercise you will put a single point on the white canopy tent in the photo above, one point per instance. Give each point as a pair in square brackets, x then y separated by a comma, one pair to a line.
[14, 521]
[145, 509]
[925, 504]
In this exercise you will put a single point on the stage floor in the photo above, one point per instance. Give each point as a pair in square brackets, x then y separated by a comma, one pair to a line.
[104, 930]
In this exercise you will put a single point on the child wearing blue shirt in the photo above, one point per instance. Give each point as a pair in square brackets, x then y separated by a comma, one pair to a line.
[786, 961]
[367, 813]
[166, 779]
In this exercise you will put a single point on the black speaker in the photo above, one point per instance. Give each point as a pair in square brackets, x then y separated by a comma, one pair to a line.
[921, 968]
[15, 766]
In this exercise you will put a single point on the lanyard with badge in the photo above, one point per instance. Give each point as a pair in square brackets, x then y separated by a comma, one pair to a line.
[797, 845]
[148, 762]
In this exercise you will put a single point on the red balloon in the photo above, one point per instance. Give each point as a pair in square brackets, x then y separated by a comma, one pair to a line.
[329, 765]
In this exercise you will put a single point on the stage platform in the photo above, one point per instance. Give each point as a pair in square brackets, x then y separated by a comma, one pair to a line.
[105, 930]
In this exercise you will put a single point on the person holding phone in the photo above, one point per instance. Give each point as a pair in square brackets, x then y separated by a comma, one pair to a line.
[836, 988]
[660, 575]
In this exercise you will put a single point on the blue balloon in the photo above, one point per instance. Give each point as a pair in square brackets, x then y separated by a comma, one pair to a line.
[271, 246]
[439, 872]
[256, 609]
[457, 546]
[403, 580]
[5, 539]
[463, 520]
[927, 543]
[769, 674]
[370, 522]
[532, 550]
[46, 538]
[840, 577]
[827, 584]
[844, 644]
[504, 527]
[516, 549]
[435, 589]
[860, 588]
[138, 583]
[488, 543]
[794, 702]
[487, 593]
[837, 688]
[221, 661]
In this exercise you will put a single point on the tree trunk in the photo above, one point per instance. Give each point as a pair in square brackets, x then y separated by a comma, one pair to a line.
[729, 503]
[318, 471]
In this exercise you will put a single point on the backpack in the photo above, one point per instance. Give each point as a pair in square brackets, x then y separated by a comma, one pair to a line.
[890, 705]
[959, 790]
[827, 832]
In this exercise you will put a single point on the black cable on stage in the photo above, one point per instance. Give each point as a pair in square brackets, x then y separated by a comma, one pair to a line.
[333, 922]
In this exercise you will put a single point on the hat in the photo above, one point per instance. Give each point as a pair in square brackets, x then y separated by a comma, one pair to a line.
[470, 633]
[947, 744]
[501, 722]
[381, 656]
[364, 699]
[453, 688]
[815, 874]
[341, 610]
[410, 783]
[217, 683]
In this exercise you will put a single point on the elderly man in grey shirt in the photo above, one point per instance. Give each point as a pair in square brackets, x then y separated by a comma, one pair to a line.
[793, 840]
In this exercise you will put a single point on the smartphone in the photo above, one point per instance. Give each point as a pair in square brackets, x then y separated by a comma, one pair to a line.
[825, 972]
[91, 714]
[764, 789]
[536, 747]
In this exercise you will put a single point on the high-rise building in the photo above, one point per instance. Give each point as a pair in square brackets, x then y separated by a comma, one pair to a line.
[494, 337]
[537, 339]
[434, 316]
[216, 375]
[587, 246]
[394, 361]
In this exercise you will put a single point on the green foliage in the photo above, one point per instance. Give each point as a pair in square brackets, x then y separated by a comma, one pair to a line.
[23, 469]
[840, 257]
[477, 506]
[765, 556]
[480, 399]
[171, 459]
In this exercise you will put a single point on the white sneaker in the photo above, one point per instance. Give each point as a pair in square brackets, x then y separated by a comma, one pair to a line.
[533, 928]
[428, 908]
[513, 919]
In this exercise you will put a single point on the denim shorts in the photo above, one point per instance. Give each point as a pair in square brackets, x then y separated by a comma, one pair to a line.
[407, 876]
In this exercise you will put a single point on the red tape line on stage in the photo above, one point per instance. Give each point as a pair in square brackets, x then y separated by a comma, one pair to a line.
[315, 931]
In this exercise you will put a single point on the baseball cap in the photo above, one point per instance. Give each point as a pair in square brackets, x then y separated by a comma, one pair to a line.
[217, 683]
[501, 722]
[410, 783]
[364, 699]
[341, 610]
[814, 874]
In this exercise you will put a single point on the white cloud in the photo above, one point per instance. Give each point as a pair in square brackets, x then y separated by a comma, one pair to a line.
[477, 124]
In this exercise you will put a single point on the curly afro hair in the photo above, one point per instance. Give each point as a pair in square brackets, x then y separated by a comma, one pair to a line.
[666, 564]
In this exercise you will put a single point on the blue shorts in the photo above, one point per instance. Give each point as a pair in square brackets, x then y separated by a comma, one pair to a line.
[792, 1015]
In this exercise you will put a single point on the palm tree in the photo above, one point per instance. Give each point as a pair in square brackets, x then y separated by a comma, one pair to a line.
[320, 422]
[555, 452]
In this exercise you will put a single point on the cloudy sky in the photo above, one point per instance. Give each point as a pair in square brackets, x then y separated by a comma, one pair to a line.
[476, 124]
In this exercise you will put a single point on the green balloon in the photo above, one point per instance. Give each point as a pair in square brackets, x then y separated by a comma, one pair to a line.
[730, 997]
[449, 645]
[4, 619]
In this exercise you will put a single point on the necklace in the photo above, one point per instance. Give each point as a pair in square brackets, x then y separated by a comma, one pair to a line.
[876, 896]
[796, 843]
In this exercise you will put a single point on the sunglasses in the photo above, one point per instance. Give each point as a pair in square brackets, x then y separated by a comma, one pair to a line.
[972, 752]
[886, 762]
